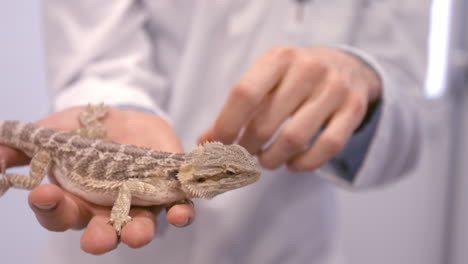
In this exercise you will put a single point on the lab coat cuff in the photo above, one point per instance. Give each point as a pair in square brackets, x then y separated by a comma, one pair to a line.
[389, 145]
[343, 169]
[364, 57]
[346, 167]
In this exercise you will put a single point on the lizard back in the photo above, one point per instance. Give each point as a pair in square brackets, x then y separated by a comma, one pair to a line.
[88, 157]
[23, 136]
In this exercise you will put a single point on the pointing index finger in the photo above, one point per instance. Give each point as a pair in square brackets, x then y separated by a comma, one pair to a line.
[249, 92]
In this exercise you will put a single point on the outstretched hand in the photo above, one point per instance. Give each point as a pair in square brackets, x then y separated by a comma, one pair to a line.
[58, 210]
[287, 96]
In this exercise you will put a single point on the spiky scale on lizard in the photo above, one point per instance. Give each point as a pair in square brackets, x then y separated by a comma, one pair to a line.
[109, 173]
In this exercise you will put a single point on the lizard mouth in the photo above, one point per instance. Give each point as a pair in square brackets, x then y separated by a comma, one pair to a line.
[197, 193]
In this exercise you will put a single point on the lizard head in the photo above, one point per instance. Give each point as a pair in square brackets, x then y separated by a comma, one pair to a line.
[213, 168]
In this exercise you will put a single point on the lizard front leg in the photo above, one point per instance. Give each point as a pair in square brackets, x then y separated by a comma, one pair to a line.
[40, 164]
[89, 119]
[156, 193]
[119, 214]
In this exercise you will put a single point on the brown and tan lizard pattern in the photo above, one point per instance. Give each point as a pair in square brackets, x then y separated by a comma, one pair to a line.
[108, 173]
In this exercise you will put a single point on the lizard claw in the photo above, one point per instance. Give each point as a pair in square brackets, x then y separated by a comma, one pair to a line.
[119, 223]
[89, 118]
[93, 112]
[4, 183]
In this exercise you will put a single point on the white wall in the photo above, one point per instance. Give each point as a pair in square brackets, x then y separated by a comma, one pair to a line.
[457, 226]
[400, 224]
[22, 97]
[407, 223]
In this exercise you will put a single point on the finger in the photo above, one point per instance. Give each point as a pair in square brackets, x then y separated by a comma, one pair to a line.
[300, 83]
[207, 136]
[263, 76]
[180, 215]
[125, 133]
[304, 124]
[140, 231]
[99, 236]
[57, 121]
[13, 157]
[333, 138]
[55, 210]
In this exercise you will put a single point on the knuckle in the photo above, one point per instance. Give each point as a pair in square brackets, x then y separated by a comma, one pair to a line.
[336, 80]
[246, 92]
[294, 139]
[260, 131]
[281, 52]
[333, 143]
[308, 65]
[268, 163]
[336, 86]
[357, 105]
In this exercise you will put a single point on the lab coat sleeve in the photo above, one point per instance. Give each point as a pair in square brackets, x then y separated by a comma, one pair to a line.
[391, 37]
[99, 51]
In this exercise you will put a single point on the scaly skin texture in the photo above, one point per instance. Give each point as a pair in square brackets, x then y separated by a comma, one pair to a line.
[109, 173]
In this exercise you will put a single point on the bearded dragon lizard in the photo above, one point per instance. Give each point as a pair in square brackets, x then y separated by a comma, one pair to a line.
[119, 175]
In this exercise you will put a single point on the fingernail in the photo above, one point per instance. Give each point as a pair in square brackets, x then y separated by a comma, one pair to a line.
[46, 207]
[187, 221]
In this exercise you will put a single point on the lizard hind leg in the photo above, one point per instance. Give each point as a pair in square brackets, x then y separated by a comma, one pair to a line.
[40, 164]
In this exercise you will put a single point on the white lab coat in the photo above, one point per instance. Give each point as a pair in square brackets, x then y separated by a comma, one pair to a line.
[180, 58]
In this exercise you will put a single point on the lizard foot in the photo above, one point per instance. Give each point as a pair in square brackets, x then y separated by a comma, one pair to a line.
[4, 183]
[118, 223]
[89, 118]
[93, 112]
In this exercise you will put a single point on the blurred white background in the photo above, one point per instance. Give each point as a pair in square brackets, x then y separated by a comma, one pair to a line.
[404, 223]
[22, 97]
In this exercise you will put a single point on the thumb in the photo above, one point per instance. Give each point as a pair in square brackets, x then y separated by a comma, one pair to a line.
[55, 210]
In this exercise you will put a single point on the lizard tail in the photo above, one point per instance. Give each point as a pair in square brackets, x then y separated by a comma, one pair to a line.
[18, 135]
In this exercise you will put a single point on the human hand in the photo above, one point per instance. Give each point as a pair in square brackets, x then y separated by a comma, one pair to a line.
[315, 87]
[58, 210]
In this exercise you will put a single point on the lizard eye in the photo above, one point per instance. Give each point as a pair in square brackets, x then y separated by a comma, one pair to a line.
[230, 172]
[201, 180]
